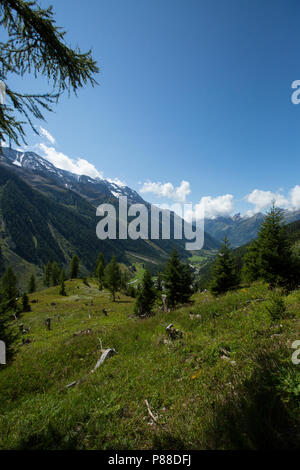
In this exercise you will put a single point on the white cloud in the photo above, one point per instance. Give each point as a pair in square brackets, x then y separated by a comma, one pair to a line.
[262, 200]
[167, 190]
[295, 197]
[62, 161]
[47, 135]
[214, 207]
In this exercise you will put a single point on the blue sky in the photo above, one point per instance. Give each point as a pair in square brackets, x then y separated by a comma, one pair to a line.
[189, 90]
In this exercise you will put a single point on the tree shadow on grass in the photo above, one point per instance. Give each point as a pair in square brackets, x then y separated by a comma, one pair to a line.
[48, 439]
[260, 415]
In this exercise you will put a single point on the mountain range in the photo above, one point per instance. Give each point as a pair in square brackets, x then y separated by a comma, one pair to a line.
[50, 214]
[242, 229]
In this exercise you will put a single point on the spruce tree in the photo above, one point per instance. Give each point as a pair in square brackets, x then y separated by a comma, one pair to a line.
[145, 297]
[250, 268]
[159, 282]
[173, 279]
[62, 290]
[25, 303]
[270, 257]
[74, 267]
[100, 260]
[32, 284]
[48, 274]
[9, 288]
[224, 275]
[112, 277]
[124, 280]
[186, 283]
[55, 274]
[37, 46]
[99, 271]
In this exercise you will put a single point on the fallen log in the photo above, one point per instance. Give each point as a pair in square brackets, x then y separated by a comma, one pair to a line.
[106, 353]
[150, 412]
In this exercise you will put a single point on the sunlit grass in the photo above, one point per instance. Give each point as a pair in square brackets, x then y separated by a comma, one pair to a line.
[189, 383]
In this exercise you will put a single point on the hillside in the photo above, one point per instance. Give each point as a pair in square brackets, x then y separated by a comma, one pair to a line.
[293, 230]
[45, 221]
[228, 383]
[241, 230]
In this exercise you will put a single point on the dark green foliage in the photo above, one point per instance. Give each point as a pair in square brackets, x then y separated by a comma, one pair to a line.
[186, 283]
[25, 303]
[6, 333]
[112, 277]
[276, 306]
[8, 295]
[32, 284]
[2, 268]
[130, 291]
[74, 267]
[270, 257]
[224, 275]
[53, 223]
[145, 297]
[55, 273]
[48, 274]
[36, 45]
[9, 288]
[100, 260]
[173, 274]
[177, 281]
[159, 282]
[99, 270]
[62, 290]
[124, 280]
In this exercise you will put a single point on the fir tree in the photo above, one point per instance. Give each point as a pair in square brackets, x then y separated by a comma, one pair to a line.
[224, 275]
[32, 284]
[112, 277]
[9, 288]
[36, 45]
[130, 291]
[99, 270]
[145, 296]
[124, 280]
[74, 267]
[100, 260]
[55, 274]
[186, 283]
[62, 290]
[159, 282]
[48, 274]
[173, 279]
[250, 268]
[25, 303]
[270, 257]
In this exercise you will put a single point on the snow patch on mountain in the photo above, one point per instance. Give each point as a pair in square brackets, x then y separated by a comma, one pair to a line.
[39, 165]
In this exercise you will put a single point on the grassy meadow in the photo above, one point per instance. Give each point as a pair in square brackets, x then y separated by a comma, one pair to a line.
[228, 383]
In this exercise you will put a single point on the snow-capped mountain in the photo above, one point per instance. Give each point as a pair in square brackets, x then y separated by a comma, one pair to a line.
[94, 189]
[242, 229]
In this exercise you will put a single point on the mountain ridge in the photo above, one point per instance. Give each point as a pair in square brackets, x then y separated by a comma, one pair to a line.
[41, 218]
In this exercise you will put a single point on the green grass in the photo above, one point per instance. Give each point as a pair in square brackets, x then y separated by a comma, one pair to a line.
[247, 399]
[138, 274]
